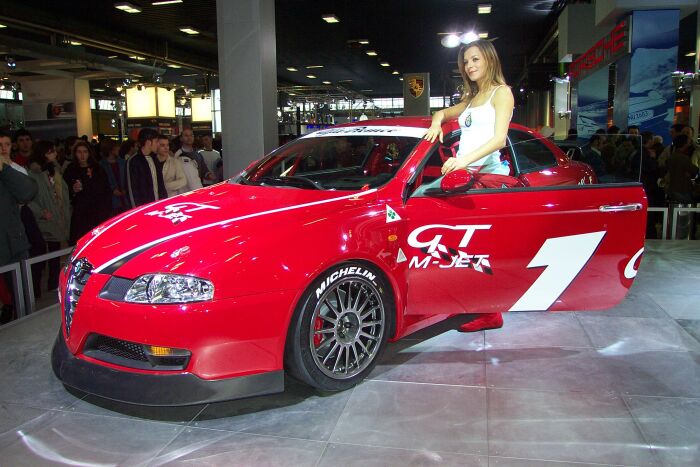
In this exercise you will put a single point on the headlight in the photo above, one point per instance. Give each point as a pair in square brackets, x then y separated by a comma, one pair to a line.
[169, 288]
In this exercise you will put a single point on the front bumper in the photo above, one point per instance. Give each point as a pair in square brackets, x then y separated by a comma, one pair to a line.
[156, 389]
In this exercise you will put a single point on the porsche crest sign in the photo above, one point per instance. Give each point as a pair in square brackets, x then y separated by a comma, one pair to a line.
[416, 86]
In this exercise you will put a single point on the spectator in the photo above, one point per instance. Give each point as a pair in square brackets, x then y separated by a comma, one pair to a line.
[649, 170]
[115, 168]
[127, 149]
[173, 174]
[632, 130]
[68, 151]
[693, 149]
[89, 191]
[592, 156]
[190, 160]
[674, 131]
[141, 173]
[23, 139]
[681, 172]
[51, 206]
[608, 149]
[15, 188]
[190, 156]
[211, 158]
[572, 135]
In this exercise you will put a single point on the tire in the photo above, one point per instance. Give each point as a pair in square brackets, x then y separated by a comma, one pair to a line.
[340, 327]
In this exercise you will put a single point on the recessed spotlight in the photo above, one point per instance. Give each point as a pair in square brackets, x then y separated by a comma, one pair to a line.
[75, 43]
[401, 79]
[165, 2]
[484, 8]
[450, 41]
[189, 30]
[468, 37]
[311, 76]
[385, 64]
[330, 18]
[371, 53]
[314, 66]
[2, 26]
[112, 56]
[363, 41]
[394, 72]
[690, 54]
[127, 7]
[291, 68]
[326, 82]
[174, 65]
[483, 35]
[137, 57]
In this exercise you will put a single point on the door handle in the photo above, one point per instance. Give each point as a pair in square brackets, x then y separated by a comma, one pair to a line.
[621, 208]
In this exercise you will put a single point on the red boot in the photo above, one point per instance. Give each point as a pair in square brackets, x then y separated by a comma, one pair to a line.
[483, 322]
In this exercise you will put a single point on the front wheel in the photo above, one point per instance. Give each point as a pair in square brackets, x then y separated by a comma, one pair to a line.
[341, 327]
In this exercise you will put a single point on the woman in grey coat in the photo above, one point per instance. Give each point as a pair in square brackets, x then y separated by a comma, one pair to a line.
[51, 205]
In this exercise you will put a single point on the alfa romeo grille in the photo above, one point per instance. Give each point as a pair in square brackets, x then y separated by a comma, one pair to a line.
[78, 276]
[116, 347]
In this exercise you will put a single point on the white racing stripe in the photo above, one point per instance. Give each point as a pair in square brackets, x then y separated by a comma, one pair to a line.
[370, 130]
[226, 221]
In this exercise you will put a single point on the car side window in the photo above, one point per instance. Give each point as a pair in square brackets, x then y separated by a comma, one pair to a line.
[431, 168]
[531, 154]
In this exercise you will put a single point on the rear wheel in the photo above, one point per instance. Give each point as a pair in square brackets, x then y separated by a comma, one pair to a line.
[341, 327]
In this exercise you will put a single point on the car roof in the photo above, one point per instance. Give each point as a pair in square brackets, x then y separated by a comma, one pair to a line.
[417, 122]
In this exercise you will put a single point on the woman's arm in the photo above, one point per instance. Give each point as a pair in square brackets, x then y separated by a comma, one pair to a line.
[503, 102]
[435, 130]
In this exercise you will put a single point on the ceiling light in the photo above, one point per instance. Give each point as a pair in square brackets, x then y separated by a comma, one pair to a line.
[75, 43]
[394, 72]
[174, 65]
[483, 35]
[330, 18]
[137, 57]
[112, 56]
[291, 68]
[127, 7]
[98, 89]
[191, 74]
[189, 30]
[10, 62]
[366, 90]
[400, 79]
[311, 76]
[385, 64]
[140, 87]
[291, 94]
[165, 2]
[690, 54]
[450, 41]
[484, 8]
[314, 66]
[371, 53]
[326, 82]
[363, 41]
[468, 37]
[3, 26]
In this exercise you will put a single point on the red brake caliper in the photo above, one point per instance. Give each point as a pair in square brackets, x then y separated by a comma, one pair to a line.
[318, 325]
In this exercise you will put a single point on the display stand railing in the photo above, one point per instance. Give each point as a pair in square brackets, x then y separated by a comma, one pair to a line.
[664, 222]
[674, 221]
[27, 274]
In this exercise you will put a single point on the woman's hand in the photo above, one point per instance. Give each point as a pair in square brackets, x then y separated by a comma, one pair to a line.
[77, 186]
[454, 163]
[435, 131]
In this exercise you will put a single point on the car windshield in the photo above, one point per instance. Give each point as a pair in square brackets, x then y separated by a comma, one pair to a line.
[333, 161]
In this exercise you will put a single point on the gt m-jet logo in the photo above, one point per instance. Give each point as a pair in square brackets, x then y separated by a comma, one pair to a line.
[178, 213]
[428, 239]
[350, 270]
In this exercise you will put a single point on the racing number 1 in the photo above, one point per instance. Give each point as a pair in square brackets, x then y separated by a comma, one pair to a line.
[564, 257]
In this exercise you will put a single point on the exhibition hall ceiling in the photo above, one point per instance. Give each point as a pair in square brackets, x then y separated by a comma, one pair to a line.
[406, 34]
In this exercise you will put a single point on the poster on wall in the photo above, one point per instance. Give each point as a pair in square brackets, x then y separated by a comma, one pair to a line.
[48, 99]
[654, 59]
[592, 109]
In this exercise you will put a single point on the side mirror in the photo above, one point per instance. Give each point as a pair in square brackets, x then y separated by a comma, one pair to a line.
[457, 181]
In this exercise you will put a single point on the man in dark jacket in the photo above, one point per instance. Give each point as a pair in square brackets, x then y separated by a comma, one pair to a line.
[15, 188]
[141, 175]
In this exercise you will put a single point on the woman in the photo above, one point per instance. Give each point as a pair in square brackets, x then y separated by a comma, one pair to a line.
[89, 191]
[115, 168]
[51, 206]
[483, 114]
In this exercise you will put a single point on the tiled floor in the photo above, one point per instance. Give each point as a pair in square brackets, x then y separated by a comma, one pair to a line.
[620, 387]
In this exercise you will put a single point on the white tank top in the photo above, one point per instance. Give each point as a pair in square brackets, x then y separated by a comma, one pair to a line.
[478, 125]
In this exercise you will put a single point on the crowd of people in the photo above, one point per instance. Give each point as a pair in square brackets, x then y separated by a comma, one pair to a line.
[53, 193]
[668, 173]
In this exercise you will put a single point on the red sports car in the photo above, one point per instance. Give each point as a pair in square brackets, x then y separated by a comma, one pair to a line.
[314, 257]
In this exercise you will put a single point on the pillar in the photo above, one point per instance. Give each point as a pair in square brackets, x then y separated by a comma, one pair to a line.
[248, 79]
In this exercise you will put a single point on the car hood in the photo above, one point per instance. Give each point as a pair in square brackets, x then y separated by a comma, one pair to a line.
[194, 213]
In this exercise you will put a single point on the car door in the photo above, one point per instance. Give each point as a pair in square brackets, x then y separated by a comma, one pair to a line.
[519, 249]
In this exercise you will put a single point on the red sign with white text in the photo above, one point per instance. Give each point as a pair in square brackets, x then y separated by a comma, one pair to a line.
[606, 50]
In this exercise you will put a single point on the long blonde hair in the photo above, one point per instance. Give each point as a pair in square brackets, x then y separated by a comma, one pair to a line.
[494, 71]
